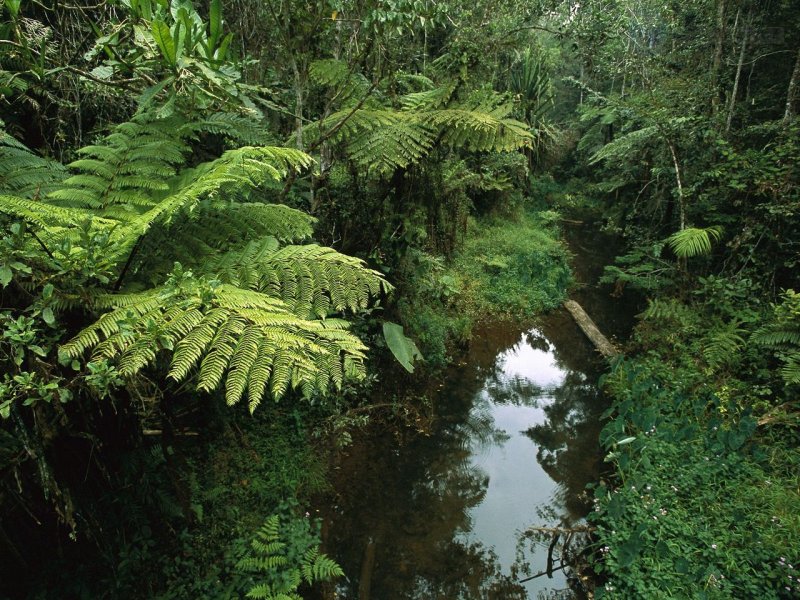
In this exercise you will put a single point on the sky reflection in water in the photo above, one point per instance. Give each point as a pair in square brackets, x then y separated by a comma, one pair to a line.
[513, 446]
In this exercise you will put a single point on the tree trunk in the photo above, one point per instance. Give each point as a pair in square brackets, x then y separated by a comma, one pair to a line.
[298, 104]
[719, 45]
[735, 90]
[791, 94]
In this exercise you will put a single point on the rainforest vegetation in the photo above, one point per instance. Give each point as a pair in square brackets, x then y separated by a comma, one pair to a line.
[233, 232]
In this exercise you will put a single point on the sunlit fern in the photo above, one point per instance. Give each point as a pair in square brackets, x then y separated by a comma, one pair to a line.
[242, 311]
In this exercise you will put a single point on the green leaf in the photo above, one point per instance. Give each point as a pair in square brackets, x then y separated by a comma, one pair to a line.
[403, 348]
[48, 316]
[103, 72]
[215, 22]
[222, 51]
[5, 275]
[163, 37]
[693, 241]
[37, 350]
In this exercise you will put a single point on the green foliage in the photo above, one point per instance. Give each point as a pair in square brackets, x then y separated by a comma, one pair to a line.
[704, 506]
[781, 332]
[284, 565]
[23, 173]
[403, 348]
[276, 302]
[517, 268]
[381, 140]
[693, 241]
[508, 267]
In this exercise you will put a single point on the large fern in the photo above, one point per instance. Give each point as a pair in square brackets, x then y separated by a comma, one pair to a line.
[382, 139]
[243, 312]
[23, 173]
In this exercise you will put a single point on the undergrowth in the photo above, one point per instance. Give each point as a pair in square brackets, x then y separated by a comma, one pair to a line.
[705, 493]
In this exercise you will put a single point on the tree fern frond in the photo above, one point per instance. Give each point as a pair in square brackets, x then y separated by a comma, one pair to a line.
[776, 337]
[25, 174]
[310, 279]
[623, 146]
[39, 213]
[791, 368]
[392, 146]
[338, 75]
[428, 99]
[693, 241]
[195, 237]
[723, 344]
[132, 162]
[249, 338]
[242, 129]
[234, 173]
[222, 349]
[478, 131]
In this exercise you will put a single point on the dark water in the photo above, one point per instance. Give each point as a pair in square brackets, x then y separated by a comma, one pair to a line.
[442, 515]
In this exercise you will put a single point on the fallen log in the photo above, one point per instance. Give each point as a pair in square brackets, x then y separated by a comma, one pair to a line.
[584, 321]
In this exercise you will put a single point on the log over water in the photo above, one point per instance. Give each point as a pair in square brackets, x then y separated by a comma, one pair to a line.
[584, 321]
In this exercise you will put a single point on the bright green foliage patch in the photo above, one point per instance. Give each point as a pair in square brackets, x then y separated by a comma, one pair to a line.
[511, 267]
[516, 268]
[283, 558]
[706, 503]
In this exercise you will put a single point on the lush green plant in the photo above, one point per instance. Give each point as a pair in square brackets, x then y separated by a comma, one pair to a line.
[704, 503]
[284, 556]
[782, 333]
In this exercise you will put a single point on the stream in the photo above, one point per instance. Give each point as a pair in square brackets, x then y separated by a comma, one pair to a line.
[443, 514]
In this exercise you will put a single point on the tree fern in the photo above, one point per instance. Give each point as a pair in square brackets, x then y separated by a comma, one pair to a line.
[255, 317]
[221, 331]
[346, 84]
[382, 140]
[127, 168]
[238, 128]
[312, 280]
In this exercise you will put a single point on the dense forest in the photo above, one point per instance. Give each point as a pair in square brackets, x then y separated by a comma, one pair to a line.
[234, 235]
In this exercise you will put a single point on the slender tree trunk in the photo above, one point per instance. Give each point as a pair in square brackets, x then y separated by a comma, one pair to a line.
[791, 93]
[719, 45]
[735, 90]
[298, 104]
[676, 165]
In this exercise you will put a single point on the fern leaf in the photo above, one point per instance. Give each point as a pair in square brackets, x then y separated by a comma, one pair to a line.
[693, 241]
[25, 174]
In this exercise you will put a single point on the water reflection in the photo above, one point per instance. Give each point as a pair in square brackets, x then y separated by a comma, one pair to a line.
[442, 516]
